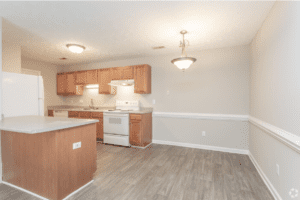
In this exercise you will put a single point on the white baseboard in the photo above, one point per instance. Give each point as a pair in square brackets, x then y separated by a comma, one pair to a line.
[24, 190]
[36, 195]
[206, 147]
[78, 190]
[265, 178]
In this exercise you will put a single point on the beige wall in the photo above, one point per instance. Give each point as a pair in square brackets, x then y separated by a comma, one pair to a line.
[274, 94]
[48, 72]
[217, 83]
[11, 56]
[0, 94]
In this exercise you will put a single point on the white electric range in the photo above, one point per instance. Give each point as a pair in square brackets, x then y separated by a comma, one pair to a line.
[116, 123]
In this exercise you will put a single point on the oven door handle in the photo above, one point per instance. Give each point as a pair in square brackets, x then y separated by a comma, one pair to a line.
[115, 115]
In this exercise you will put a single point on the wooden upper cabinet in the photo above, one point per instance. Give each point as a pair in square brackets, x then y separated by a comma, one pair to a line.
[142, 79]
[61, 83]
[71, 87]
[116, 73]
[128, 72]
[104, 77]
[91, 77]
[81, 77]
[122, 73]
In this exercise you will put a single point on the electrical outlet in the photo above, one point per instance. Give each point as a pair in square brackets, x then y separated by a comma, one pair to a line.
[203, 133]
[153, 101]
[277, 169]
[76, 145]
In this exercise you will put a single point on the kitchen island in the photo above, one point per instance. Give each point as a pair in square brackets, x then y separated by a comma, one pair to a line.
[39, 155]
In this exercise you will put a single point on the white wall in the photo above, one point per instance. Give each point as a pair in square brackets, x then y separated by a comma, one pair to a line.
[275, 96]
[48, 72]
[217, 83]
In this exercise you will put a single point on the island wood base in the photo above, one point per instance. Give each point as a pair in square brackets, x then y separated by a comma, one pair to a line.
[46, 164]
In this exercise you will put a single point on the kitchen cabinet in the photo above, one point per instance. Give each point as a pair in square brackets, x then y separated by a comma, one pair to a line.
[104, 77]
[61, 83]
[84, 115]
[140, 129]
[81, 77]
[71, 87]
[99, 116]
[66, 84]
[142, 79]
[91, 77]
[73, 114]
[122, 73]
[50, 113]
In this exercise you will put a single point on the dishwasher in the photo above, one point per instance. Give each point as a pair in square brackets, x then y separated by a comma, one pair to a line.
[60, 113]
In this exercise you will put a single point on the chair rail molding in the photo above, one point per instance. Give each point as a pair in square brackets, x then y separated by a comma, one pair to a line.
[289, 139]
[203, 116]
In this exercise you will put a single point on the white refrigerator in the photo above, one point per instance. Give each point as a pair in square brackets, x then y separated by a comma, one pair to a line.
[22, 95]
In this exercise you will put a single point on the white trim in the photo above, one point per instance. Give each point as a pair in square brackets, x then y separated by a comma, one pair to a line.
[290, 139]
[78, 190]
[141, 147]
[43, 198]
[265, 178]
[24, 190]
[198, 146]
[203, 116]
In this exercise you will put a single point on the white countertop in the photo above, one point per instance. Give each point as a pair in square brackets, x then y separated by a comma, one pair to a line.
[40, 124]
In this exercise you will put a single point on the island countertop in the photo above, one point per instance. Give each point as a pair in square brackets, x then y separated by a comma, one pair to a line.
[40, 124]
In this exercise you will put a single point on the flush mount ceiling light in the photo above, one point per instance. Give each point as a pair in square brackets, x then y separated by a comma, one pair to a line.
[183, 62]
[75, 48]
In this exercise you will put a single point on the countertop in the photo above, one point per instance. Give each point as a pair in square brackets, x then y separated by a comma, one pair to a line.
[98, 109]
[40, 124]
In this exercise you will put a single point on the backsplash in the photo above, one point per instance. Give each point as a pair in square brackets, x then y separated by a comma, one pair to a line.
[123, 94]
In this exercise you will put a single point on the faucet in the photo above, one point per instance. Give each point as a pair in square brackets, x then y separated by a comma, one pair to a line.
[92, 107]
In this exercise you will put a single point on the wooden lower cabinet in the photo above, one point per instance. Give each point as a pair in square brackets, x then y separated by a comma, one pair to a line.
[50, 113]
[90, 115]
[140, 129]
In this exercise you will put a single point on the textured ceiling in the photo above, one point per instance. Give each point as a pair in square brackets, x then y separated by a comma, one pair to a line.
[119, 30]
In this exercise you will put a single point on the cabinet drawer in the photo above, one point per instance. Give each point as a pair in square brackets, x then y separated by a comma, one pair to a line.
[50, 113]
[73, 114]
[84, 114]
[135, 117]
[97, 115]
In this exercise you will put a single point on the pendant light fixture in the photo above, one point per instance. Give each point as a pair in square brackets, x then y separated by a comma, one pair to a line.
[183, 62]
[75, 48]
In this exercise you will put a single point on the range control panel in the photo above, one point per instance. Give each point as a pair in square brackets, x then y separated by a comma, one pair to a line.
[128, 105]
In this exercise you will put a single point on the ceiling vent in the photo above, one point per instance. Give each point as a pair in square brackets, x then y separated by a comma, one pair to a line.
[158, 47]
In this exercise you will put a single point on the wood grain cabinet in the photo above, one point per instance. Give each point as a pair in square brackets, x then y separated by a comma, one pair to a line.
[81, 77]
[104, 77]
[140, 129]
[122, 73]
[66, 84]
[73, 114]
[50, 113]
[92, 77]
[142, 79]
[99, 116]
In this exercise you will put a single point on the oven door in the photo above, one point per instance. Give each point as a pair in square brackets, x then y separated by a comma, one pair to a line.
[115, 123]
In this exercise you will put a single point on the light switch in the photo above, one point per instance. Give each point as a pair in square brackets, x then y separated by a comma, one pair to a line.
[168, 92]
[153, 101]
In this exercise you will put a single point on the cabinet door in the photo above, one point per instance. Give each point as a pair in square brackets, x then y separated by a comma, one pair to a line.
[100, 129]
[71, 88]
[61, 84]
[135, 137]
[127, 72]
[91, 77]
[85, 115]
[117, 73]
[142, 79]
[50, 113]
[104, 77]
[81, 77]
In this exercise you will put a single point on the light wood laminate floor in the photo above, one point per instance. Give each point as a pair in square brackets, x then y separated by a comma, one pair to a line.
[163, 172]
